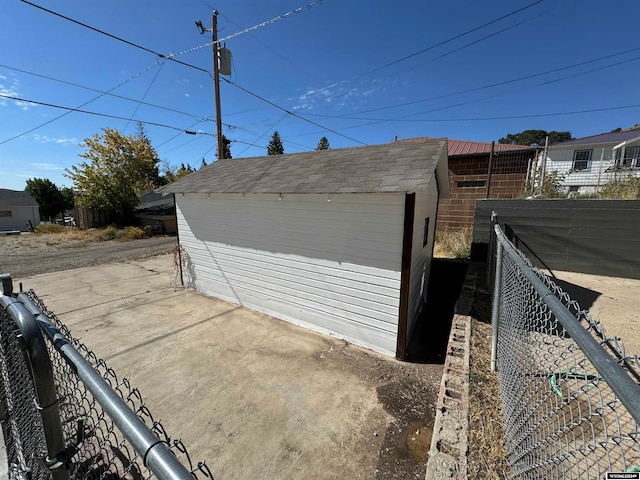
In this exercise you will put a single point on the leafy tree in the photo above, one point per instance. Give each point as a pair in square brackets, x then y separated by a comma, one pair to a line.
[535, 138]
[275, 145]
[117, 170]
[323, 144]
[49, 197]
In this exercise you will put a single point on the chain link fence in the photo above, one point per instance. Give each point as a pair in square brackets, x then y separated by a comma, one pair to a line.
[570, 394]
[103, 419]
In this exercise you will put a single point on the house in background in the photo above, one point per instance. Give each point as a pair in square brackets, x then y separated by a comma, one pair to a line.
[338, 241]
[475, 173]
[18, 211]
[590, 162]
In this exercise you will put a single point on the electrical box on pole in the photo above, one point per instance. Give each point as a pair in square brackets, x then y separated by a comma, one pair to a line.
[224, 55]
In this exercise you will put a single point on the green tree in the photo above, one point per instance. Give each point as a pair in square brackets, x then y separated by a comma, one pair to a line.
[49, 197]
[323, 144]
[171, 174]
[535, 138]
[275, 145]
[226, 148]
[204, 163]
[69, 198]
[117, 170]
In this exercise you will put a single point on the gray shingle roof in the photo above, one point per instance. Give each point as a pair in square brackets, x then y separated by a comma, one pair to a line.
[16, 198]
[392, 167]
[612, 137]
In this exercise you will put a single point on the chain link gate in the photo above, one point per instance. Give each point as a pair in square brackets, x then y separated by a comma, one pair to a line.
[570, 394]
[106, 431]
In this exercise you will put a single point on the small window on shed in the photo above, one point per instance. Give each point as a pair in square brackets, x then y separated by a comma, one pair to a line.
[5, 213]
[425, 236]
[471, 183]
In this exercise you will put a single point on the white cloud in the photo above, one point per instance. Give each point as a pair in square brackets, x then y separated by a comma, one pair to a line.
[187, 95]
[57, 141]
[46, 166]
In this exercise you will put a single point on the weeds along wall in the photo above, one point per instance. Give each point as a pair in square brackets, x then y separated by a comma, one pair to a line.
[599, 237]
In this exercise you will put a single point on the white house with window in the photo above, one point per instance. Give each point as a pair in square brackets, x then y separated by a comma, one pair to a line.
[590, 162]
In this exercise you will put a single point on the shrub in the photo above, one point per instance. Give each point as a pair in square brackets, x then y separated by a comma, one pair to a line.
[124, 234]
[49, 228]
[453, 243]
[626, 189]
[109, 233]
[132, 233]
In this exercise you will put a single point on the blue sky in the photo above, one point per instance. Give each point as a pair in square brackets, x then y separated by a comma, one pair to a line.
[339, 64]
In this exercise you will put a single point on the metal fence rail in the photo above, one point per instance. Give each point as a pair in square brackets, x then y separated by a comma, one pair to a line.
[570, 394]
[89, 424]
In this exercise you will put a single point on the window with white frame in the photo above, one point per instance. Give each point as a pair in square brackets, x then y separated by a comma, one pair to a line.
[581, 160]
[630, 159]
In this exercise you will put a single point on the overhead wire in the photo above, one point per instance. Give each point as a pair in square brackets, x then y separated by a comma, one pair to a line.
[255, 27]
[419, 52]
[171, 57]
[72, 109]
[146, 92]
[79, 106]
[492, 85]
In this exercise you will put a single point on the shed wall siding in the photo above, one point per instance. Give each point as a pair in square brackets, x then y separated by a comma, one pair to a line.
[426, 204]
[19, 219]
[332, 266]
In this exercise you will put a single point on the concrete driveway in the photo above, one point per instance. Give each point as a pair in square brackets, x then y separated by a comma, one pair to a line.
[254, 396]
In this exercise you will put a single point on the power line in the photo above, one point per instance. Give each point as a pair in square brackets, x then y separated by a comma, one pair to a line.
[78, 110]
[255, 27]
[505, 82]
[292, 113]
[81, 105]
[115, 37]
[168, 57]
[143, 96]
[444, 42]
[515, 117]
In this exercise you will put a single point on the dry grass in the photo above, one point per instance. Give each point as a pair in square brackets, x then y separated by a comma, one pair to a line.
[52, 238]
[487, 452]
[453, 243]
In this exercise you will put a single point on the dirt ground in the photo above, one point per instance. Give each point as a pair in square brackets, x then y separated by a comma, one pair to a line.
[615, 302]
[32, 254]
[254, 396]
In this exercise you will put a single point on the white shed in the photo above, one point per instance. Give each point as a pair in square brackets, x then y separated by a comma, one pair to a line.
[338, 241]
[17, 209]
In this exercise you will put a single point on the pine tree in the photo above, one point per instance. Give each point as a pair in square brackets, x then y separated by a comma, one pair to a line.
[275, 145]
[323, 144]
[204, 163]
[226, 147]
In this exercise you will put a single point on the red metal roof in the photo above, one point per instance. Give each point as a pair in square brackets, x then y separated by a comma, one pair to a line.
[463, 147]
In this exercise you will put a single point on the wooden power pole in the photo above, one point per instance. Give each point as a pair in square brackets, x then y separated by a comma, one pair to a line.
[216, 76]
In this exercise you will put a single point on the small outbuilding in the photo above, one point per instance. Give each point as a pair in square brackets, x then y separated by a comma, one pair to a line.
[338, 241]
[17, 209]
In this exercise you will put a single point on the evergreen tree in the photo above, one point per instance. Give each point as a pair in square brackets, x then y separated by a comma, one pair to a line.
[275, 145]
[204, 163]
[323, 144]
[226, 147]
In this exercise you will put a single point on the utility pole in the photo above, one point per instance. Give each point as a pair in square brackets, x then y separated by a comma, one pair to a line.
[216, 75]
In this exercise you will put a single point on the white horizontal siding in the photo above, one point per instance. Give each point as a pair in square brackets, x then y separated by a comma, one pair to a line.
[333, 266]
[426, 204]
[19, 219]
